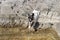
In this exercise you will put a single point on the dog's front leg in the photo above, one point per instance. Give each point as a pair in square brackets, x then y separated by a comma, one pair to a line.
[29, 25]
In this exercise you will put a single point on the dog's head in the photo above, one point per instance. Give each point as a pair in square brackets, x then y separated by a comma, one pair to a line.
[30, 17]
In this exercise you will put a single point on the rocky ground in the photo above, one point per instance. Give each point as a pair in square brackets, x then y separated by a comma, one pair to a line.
[13, 16]
[24, 34]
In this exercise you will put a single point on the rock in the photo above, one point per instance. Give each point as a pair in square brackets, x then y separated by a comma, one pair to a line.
[48, 34]
[50, 11]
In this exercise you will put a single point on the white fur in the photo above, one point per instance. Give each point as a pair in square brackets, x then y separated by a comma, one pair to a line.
[36, 16]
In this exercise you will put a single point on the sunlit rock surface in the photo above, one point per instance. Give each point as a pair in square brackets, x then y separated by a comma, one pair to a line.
[13, 12]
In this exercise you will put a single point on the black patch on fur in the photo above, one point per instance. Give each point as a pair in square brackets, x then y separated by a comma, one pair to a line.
[31, 17]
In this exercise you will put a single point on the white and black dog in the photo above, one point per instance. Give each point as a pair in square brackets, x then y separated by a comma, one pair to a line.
[33, 18]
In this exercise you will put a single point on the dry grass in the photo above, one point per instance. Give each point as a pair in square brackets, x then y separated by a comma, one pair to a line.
[24, 34]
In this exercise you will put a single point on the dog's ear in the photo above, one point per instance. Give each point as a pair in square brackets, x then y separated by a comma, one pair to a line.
[32, 14]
